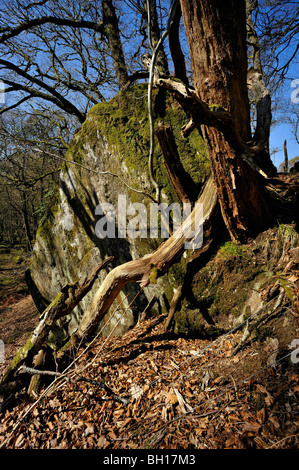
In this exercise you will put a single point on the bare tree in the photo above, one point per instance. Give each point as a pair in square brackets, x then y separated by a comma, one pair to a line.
[28, 179]
[59, 52]
[219, 105]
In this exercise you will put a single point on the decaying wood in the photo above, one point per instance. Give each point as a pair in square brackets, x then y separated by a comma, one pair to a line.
[63, 304]
[35, 381]
[147, 269]
[174, 302]
[181, 181]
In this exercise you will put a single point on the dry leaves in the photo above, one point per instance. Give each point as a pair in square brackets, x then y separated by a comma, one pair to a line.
[178, 399]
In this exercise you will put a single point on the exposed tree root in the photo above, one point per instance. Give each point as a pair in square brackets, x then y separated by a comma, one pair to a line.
[148, 268]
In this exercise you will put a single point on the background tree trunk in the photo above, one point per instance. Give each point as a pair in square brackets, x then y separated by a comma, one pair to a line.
[216, 33]
[110, 21]
[154, 33]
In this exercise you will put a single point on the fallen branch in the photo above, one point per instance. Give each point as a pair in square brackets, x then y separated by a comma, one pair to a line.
[100, 384]
[145, 270]
[63, 304]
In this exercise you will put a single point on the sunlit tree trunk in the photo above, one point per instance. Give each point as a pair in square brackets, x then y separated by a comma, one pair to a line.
[216, 33]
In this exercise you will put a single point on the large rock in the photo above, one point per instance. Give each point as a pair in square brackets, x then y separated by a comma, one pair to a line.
[115, 139]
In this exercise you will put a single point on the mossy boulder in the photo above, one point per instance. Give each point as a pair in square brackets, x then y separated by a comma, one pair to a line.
[237, 283]
[114, 140]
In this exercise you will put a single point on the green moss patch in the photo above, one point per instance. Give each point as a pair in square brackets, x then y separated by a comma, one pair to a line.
[228, 287]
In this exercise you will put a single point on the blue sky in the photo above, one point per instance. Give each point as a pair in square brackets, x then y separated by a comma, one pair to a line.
[282, 131]
[277, 137]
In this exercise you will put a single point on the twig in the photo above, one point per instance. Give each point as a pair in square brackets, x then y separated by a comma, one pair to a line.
[282, 440]
[101, 384]
[99, 172]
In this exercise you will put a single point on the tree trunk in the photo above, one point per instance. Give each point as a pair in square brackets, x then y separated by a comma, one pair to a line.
[216, 34]
[175, 47]
[110, 22]
[262, 98]
[154, 33]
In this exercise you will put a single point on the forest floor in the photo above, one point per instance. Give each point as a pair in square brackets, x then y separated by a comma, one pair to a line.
[168, 392]
[182, 394]
[18, 314]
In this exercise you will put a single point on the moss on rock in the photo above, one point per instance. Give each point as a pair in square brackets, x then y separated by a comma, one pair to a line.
[228, 289]
[113, 139]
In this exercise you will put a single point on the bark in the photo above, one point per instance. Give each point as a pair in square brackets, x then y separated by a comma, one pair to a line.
[216, 34]
[111, 27]
[175, 47]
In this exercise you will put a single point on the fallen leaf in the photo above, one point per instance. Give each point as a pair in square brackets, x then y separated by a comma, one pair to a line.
[136, 391]
[53, 443]
[210, 431]
[268, 399]
[274, 421]
[251, 428]
[20, 440]
[234, 417]
[260, 442]
[293, 278]
[261, 415]
[164, 413]
[205, 379]
[89, 430]
[182, 402]
[102, 442]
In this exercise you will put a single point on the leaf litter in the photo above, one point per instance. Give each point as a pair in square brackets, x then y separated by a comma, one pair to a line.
[182, 395]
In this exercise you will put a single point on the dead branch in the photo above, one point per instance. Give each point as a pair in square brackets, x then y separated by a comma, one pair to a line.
[218, 117]
[174, 302]
[63, 304]
[182, 182]
[100, 384]
[146, 269]
[201, 112]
